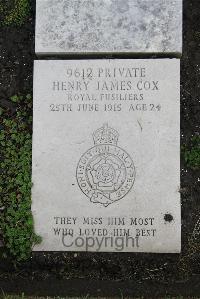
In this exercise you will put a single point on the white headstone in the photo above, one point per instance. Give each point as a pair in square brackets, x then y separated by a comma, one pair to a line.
[106, 155]
[107, 26]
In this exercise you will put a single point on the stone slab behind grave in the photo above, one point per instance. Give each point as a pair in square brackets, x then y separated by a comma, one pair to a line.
[106, 155]
[108, 26]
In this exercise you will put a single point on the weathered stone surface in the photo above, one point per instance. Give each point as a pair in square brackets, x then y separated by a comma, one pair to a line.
[93, 26]
[106, 155]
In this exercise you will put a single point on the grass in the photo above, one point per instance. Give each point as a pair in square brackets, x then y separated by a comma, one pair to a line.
[14, 12]
[191, 153]
[16, 222]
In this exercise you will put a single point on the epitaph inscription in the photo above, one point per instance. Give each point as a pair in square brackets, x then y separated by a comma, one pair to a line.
[106, 151]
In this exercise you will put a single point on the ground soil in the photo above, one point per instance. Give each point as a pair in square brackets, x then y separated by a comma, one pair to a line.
[147, 275]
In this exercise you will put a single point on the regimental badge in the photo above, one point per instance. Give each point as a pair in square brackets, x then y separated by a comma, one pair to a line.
[105, 173]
